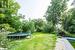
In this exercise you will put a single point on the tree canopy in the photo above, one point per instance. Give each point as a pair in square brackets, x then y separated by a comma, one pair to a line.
[55, 10]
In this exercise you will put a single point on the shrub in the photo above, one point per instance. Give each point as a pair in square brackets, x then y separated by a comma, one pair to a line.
[32, 26]
[3, 40]
[39, 23]
[6, 27]
[48, 27]
[2, 16]
[28, 26]
[25, 26]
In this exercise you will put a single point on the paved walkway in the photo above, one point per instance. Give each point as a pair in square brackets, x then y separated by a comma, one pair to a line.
[63, 44]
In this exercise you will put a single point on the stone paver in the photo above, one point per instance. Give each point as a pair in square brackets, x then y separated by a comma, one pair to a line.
[63, 44]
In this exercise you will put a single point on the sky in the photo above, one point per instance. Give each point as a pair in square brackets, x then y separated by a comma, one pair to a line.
[69, 4]
[33, 8]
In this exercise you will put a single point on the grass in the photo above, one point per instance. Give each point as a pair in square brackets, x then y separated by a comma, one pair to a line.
[38, 41]
[72, 43]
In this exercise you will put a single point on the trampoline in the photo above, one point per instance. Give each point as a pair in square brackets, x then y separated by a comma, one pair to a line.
[18, 35]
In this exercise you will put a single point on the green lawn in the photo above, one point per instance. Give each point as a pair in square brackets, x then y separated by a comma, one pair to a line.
[38, 41]
[72, 43]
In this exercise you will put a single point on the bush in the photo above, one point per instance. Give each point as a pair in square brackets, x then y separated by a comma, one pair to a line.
[25, 26]
[53, 32]
[48, 28]
[15, 23]
[6, 27]
[69, 21]
[3, 40]
[32, 26]
[28, 26]
[11, 29]
[2, 16]
[39, 24]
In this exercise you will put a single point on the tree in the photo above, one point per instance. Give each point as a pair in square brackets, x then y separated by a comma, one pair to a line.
[8, 9]
[15, 22]
[55, 11]
[39, 24]
[69, 21]
[32, 26]
[28, 26]
[12, 8]
[48, 27]
[8, 13]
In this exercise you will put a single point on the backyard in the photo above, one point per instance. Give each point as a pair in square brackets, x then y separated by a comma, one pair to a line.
[37, 24]
[38, 41]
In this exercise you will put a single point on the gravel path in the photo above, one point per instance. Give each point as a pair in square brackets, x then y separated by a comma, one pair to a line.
[63, 44]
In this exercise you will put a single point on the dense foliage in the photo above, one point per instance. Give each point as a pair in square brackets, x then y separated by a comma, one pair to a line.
[28, 26]
[69, 21]
[6, 27]
[55, 10]
[3, 40]
[39, 24]
[48, 27]
[9, 20]
[55, 14]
